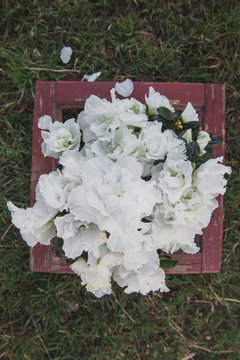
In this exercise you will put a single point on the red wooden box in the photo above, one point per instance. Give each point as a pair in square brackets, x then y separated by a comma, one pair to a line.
[52, 97]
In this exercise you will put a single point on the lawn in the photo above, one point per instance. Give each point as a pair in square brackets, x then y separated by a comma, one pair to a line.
[49, 316]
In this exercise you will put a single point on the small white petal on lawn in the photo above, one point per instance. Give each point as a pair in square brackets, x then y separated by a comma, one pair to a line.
[91, 77]
[66, 54]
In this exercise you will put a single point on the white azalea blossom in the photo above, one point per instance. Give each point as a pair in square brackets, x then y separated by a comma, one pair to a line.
[123, 191]
[60, 137]
[209, 178]
[55, 189]
[175, 177]
[73, 163]
[159, 144]
[35, 224]
[154, 100]
[79, 236]
[100, 117]
[150, 278]
[97, 276]
[124, 144]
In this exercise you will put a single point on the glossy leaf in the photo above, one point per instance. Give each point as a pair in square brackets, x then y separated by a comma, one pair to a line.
[193, 151]
[166, 114]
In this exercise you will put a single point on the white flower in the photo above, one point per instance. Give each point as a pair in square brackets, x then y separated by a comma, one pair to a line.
[175, 177]
[125, 143]
[189, 114]
[73, 163]
[66, 54]
[134, 259]
[60, 137]
[79, 236]
[203, 139]
[209, 178]
[155, 100]
[36, 223]
[124, 88]
[97, 276]
[132, 113]
[117, 200]
[150, 278]
[91, 77]
[159, 144]
[100, 117]
[55, 188]
[172, 238]
[192, 208]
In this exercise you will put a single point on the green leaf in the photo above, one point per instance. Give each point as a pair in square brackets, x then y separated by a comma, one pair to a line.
[159, 119]
[168, 263]
[191, 125]
[193, 151]
[215, 140]
[166, 114]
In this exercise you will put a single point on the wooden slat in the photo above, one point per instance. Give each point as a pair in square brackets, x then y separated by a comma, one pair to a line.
[215, 124]
[74, 92]
[45, 104]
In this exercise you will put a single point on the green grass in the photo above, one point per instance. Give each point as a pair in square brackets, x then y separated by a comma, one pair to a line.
[47, 316]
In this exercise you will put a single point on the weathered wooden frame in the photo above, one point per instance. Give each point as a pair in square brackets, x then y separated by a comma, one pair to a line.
[209, 99]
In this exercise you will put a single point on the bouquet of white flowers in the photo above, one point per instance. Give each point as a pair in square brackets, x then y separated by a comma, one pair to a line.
[133, 179]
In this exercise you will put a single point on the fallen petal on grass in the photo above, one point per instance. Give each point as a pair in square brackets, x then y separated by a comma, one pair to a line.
[91, 77]
[66, 54]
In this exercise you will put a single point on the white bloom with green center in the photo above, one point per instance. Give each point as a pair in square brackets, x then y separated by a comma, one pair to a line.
[175, 177]
[159, 144]
[99, 119]
[59, 137]
[154, 100]
[131, 112]
[125, 143]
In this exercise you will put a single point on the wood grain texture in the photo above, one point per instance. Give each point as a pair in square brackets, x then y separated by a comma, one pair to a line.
[52, 98]
[215, 124]
[44, 104]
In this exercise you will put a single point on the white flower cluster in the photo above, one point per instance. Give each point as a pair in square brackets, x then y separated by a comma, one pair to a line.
[130, 191]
